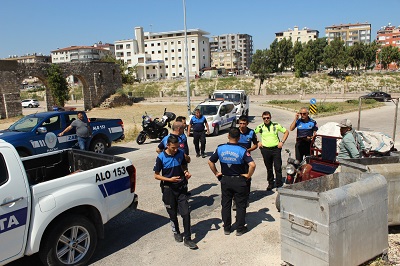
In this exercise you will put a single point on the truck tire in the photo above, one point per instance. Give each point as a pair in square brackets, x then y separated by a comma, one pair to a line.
[71, 241]
[141, 138]
[98, 145]
[216, 130]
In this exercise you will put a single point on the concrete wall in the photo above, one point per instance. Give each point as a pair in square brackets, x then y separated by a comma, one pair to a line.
[99, 79]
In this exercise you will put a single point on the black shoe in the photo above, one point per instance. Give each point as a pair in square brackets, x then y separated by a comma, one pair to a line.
[198, 155]
[190, 243]
[178, 237]
[270, 187]
[203, 155]
[227, 230]
[241, 232]
[188, 193]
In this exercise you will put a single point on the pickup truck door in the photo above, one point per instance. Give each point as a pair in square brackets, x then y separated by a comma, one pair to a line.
[46, 142]
[14, 205]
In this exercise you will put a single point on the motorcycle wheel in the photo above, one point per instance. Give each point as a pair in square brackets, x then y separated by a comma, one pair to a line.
[163, 133]
[141, 138]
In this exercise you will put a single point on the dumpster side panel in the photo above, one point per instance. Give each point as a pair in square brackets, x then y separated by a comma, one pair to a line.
[346, 225]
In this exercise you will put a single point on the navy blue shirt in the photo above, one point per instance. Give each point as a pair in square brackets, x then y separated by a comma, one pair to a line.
[233, 158]
[182, 143]
[171, 165]
[248, 138]
[198, 123]
[306, 129]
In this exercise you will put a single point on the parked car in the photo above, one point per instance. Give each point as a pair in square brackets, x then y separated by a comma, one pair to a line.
[30, 103]
[378, 96]
[220, 115]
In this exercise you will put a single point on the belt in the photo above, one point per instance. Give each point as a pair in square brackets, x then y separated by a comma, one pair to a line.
[233, 176]
[270, 148]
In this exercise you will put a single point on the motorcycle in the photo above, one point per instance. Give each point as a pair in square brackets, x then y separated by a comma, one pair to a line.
[155, 128]
[318, 164]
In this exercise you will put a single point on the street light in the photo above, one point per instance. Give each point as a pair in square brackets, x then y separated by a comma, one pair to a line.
[187, 60]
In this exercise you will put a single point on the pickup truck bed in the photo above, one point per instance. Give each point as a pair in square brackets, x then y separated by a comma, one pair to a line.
[64, 163]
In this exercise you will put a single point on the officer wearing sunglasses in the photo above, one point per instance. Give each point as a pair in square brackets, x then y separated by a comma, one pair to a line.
[271, 148]
[306, 129]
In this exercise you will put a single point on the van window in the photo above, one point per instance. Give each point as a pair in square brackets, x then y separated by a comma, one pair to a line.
[3, 170]
[229, 108]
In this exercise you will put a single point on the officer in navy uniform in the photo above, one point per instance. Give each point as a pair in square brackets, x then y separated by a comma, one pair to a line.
[178, 129]
[198, 122]
[306, 129]
[174, 179]
[248, 138]
[237, 168]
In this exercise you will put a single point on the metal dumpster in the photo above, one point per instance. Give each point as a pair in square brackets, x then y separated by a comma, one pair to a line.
[338, 219]
[389, 167]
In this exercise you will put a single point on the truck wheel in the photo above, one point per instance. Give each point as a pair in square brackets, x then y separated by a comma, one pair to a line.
[98, 145]
[278, 202]
[30, 105]
[141, 138]
[163, 133]
[71, 241]
[216, 130]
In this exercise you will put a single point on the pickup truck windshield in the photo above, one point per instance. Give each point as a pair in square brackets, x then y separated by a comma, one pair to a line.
[208, 109]
[25, 124]
[232, 97]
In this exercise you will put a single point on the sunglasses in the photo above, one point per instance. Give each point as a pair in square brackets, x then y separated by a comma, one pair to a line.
[265, 118]
[303, 113]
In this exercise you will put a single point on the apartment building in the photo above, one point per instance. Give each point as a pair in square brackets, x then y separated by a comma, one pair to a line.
[349, 33]
[78, 54]
[162, 55]
[388, 36]
[295, 35]
[243, 43]
[30, 58]
[226, 59]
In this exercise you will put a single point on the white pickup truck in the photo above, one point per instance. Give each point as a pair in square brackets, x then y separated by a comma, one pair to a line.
[57, 203]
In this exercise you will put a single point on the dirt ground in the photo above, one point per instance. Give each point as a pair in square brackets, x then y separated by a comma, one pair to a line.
[131, 116]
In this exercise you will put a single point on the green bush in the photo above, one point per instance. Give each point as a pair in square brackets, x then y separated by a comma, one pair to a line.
[328, 108]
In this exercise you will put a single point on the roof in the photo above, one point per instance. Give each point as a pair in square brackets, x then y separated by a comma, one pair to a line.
[71, 48]
[213, 102]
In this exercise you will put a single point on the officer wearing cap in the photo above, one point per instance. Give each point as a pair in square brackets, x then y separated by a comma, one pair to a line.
[237, 168]
[271, 147]
[347, 147]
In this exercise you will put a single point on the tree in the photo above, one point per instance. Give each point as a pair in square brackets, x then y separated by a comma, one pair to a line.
[356, 55]
[334, 53]
[261, 66]
[370, 55]
[387, 55]
[284, 54]
[58, 85]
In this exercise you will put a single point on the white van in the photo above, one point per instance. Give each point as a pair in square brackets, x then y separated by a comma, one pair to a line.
[220, 115]
[238, 97]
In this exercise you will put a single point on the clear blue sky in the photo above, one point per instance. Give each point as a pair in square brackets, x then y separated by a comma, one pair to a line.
[29, 26]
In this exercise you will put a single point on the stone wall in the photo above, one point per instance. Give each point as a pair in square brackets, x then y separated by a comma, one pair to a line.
[99, 79]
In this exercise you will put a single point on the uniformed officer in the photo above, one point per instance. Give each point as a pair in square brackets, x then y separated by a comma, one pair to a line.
[306, 129]
[271, 147]
[237, 168]
[199, 122]
[174, 179]
[178, 129]
[248, 138]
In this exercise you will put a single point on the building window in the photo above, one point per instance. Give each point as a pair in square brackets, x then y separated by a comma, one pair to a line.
[166, 59]
[192, 41]
[193, 57]
[128, 46]
[179, 42]
[120, 46]
[180, 65]
[193, 65]
[172, 58]
[129, 61]
[165, 43]
[166, 66]
[128, 54]
[154, 67]
[152, 52]
[145, 45]
[158, 44]
[159, 51]
[179, 50]
[152, 44]
[172, 51]
[147, 67]
[204, 57]
[179, 58]
[193, 49]
[172, 43]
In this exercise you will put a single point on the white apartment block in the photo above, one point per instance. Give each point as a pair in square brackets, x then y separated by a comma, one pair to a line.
[162, 55]
[227, 59]
[295, 35]
[243, 43]
[78, 54]
[349, 33]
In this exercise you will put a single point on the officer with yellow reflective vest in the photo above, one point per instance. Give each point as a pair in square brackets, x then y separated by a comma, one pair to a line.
[271, 147]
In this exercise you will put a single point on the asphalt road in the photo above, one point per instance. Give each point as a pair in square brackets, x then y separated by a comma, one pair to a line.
[144, 237]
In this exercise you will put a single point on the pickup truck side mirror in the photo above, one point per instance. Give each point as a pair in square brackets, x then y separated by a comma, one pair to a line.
[42, 130]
